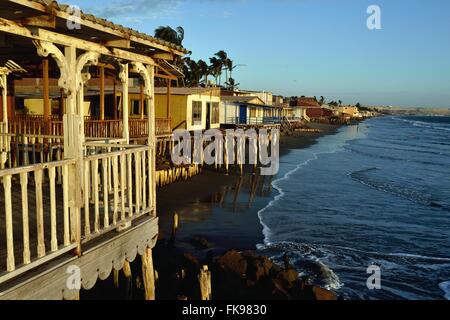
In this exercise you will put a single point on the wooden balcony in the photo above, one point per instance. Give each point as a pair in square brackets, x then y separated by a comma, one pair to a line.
[43, 222]
[93, 128]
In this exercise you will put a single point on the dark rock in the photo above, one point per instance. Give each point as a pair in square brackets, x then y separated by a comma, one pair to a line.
[321, 294]
[289, 276]
[258, 267]
[234, 262]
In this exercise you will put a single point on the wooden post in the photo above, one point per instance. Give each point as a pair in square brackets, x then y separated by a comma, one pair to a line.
[169, 97]
[152, 139]
[46, 95]
[128, 278]
[102, 93]
[205, 284]
[115, 99]
[61, 103]
[148, 275]
[4, 87]
[124, 79]
[142, 100]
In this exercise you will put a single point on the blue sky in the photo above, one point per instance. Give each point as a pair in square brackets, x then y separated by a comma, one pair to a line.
[312, 47]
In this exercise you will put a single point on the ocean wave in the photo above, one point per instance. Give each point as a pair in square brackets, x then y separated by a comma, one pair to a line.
[411, 193]
[445, 286]
[424, 124]
[281, 193]
[307, 260]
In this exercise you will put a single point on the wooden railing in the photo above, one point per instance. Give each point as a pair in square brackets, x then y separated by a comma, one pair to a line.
[138, 128]
[163, 126]
[94, 128]
[103, 128]
[38, 183]
[117, 188]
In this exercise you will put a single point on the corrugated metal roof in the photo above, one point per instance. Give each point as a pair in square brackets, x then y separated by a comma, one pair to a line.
[111, 25]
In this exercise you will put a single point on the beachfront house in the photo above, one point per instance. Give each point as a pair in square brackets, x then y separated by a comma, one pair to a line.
[190, 108]
[70, 202]
[248, 111]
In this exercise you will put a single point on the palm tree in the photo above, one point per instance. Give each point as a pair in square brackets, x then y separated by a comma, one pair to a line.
[340, 102]
[223, 58]
[322, 100]
[168, 34]
[215, 68]
[204, 70]
[231, 84]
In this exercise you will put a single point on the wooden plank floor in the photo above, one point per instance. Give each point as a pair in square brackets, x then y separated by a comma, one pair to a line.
[17, 220]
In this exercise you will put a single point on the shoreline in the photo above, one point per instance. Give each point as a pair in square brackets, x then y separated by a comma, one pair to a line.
[198, 198]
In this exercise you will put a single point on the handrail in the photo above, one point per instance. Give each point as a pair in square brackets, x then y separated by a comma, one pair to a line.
[35, 167]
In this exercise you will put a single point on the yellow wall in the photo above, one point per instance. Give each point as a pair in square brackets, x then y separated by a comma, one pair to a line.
[352, 111]
[35, 107]
[177, 108]
[181, 109]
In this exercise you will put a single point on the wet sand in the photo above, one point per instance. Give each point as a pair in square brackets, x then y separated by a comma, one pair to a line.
[222, 210]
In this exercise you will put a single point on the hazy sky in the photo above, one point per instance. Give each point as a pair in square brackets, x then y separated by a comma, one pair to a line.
[312, 47]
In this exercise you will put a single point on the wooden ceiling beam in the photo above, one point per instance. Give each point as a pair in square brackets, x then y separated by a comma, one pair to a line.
[44, 21]
[14, 28]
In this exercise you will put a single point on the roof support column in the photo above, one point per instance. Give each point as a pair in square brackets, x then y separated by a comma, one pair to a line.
[123, 75]
[148, 75]
[102, 93]
[46, 96]
[4, 87]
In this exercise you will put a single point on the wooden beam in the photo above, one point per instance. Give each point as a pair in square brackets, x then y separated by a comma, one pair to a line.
[121, 43]
[102, 93]
[106, 29]
[163, 76]
[46, 95]
[44, 21]
[165, 56]
[12, 27]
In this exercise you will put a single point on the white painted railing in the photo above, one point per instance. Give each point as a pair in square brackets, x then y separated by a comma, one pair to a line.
[37, 187]
[116, 188]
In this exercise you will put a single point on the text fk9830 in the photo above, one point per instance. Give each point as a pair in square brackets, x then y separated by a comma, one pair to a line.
[240, 310]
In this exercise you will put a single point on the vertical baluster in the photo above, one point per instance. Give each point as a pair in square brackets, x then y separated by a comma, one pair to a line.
[96, 197]
[116, 186]
[138, 181]
[130, 185]
[65, 177]
[144, 181]
[87, 223]
[10, 261]
[39, 214]
[123, 177]
[54, 238]
[105, 162]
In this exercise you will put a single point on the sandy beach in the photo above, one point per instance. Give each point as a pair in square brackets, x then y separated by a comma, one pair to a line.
[220, 208]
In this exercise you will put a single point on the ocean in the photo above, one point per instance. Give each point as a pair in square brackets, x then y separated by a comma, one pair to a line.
[375, 194]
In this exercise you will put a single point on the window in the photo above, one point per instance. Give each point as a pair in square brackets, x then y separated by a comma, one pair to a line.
[196, 112]
[215, 113]
[252, 112]
[135, 108]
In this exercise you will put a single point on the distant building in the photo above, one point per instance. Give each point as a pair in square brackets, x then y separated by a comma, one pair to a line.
[190, 108]
[248, 110]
